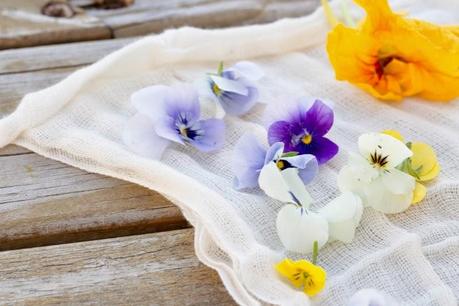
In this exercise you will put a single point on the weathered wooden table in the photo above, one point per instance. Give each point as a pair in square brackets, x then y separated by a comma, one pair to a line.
[72, 237]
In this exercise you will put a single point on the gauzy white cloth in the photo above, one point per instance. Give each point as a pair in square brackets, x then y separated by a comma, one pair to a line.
[412, 256]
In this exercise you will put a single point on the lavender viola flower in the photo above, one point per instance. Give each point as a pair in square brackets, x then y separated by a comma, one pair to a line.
[234, 88]
[250, 157]
[166, 114]
[303, 131]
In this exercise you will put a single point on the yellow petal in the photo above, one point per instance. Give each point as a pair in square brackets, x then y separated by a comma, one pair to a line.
[430, 175]
[419, 193]
[287, 268]
[394, 133]
[424, 156]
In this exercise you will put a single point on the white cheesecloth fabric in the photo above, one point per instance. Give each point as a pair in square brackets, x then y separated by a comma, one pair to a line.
[412, 256]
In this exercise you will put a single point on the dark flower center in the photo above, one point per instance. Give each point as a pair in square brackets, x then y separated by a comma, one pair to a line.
[381, 64]
[283, 164]
[378, 159]
[306, 139]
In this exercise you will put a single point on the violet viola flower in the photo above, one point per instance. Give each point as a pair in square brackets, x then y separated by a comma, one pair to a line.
[234, 88]
[250, 157]
[170, 114]
[303, 131]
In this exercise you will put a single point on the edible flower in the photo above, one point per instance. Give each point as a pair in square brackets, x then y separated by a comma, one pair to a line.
[234, 88]
[391, 56]
[374, 175]
[423, 165]
[371, 297]
[250, 157]
[304, 274]
[303, 130]
[170, 114]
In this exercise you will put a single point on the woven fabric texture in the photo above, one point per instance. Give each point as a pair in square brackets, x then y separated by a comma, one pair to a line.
[412, 256]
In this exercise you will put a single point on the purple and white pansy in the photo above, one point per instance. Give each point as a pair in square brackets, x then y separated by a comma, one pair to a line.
[170, 114]
[234, 89]
[304, 128]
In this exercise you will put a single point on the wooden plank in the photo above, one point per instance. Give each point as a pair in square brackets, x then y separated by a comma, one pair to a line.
[153, 269]
[22, 25]
[71, 55]
[45, 202]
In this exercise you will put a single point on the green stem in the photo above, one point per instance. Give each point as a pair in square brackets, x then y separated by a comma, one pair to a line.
[220, 68]
[315, 252]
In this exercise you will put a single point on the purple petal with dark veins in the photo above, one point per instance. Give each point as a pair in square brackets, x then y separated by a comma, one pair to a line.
[211, 135]
[281, 131]
[318, 119]
[322, 148]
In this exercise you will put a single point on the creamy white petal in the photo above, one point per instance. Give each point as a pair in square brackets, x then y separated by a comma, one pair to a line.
[298, 229]
[280, 185]
[398, 182]
[384, 145]
[230, 85]
[355, 179]
[148, 100]
[140, 137]
[383, 200]
[343, 215]
[296, 186]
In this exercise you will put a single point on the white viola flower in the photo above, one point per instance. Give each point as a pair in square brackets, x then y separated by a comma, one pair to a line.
[373, 174]
[298, 228]
[343, 215]
[371, 297]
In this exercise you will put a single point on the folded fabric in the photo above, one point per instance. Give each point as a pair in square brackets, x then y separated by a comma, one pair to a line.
[410, 256]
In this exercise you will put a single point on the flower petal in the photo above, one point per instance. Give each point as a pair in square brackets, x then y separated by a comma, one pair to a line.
[248, 159]
[229, 85]
[248, 70]
[419, 193]
[213, 135]
[385, 145]
[274, 152]
[398, 182]
[371, 297]
[182, 102]
[139, 136]
[307, 166]
[285, 186]
[318, 119]
[236, 104]
[322, 148]
[343, 215]
[381, 199]
[424, 157]
[165, 127]
[280, 131]
[298, 229]
[150, 100]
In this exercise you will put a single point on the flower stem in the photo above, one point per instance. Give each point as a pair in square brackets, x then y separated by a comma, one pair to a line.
[315, 252]
[220, 68]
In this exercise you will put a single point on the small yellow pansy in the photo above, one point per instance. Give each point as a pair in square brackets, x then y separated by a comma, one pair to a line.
[392, 57]
[303, 273]
[423, 165]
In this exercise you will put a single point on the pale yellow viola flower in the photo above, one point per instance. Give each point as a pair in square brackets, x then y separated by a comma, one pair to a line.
[304, 274]
[422, 165]
[391, 56]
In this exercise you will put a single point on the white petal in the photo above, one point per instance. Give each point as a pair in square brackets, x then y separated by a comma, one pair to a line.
[296, 186]
[343, 215]
[382, 199]
[398, 182]
[140, 137]
[298, 229]
[371, 297]
[280, 185]
[385, 145]
[355, 179]
[248, 70]
[148, 100]
[230, 85]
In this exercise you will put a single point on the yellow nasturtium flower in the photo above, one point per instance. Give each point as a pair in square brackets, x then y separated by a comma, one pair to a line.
[391, 56]
[423, 165]
[302, 273]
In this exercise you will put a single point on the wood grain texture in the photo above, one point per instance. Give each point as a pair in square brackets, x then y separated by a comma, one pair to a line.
[45, 202]
[153, 269]
[24, 26]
